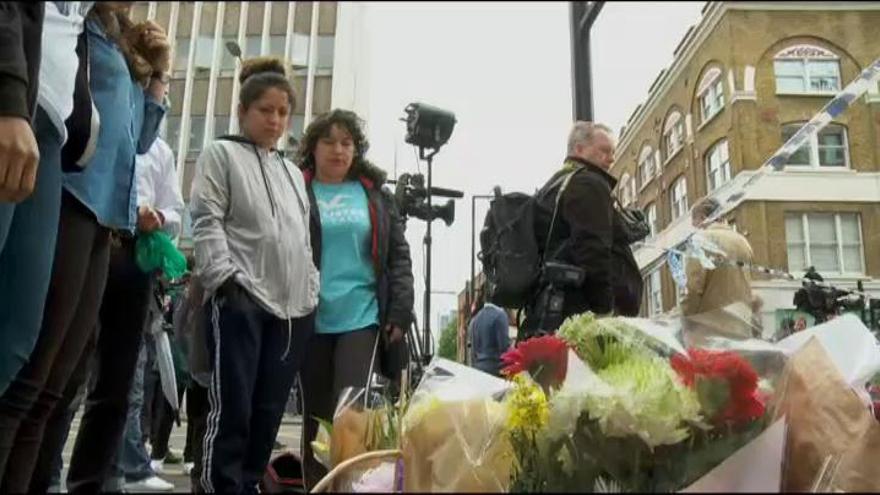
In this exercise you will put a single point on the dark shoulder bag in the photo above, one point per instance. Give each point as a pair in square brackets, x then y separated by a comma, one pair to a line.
[635, 225]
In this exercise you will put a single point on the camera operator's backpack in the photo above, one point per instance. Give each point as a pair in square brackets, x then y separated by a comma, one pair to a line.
[509, 248]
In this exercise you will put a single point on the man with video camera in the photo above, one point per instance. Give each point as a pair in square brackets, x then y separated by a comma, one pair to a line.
[588, 264]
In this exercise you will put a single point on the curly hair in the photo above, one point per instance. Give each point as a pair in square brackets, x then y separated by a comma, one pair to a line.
[321, 126]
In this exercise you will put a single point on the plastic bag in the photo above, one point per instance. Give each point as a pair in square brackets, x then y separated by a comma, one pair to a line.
[454, 432]
[155, 251]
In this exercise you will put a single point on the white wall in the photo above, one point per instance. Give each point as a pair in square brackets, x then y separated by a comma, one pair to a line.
[351, 65]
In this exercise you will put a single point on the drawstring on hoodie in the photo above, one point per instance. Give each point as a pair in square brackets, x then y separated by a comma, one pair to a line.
[289, 339]
[265, 180]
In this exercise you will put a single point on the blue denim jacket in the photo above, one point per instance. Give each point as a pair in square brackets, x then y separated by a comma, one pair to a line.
[129, 124]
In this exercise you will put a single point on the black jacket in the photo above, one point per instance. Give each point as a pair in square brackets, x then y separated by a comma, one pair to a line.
[589, 234]
[391, 261]
[21, 30]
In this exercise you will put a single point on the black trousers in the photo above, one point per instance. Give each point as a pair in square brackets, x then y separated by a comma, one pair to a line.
[163, 419]
[197, 409]
[79, 274]
[50, 463]
[123, 314]
[256, 357]
[334, 362]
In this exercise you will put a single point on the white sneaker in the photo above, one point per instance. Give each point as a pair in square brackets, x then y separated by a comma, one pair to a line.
[158, 466]
[188, 467]
[151, 484]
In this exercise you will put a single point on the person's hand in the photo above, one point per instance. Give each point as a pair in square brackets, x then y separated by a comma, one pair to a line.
[151, 42]
[395, 334]
[148, 220]
[19, 159]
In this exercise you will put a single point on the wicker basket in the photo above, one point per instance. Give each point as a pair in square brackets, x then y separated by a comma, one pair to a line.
[327, 481]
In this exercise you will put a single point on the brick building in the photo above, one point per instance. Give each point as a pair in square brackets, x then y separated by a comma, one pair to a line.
[742, 81]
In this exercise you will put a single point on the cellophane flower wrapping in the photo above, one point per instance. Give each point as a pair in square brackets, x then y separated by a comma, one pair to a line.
[454, 432]
[643, 405]
[364, 421]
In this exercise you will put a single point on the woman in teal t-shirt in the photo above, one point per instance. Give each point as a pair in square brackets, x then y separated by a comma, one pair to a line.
[366, 298]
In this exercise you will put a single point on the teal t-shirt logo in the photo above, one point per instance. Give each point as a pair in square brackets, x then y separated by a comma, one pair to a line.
[348, 283]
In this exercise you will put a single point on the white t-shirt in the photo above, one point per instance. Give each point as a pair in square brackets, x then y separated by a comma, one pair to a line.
[157, 184]
[62, 25]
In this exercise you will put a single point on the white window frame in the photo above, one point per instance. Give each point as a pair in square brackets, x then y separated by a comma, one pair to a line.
[651, 214]
[805, 231]
[647, 156]
[813, 148]
[673, 136]
[683, 200]
[655, 306]
[723, 168]
[627, 190]
[712, 91]
[806, 54]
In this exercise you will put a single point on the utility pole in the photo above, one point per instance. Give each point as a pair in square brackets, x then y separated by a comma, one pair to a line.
[582, 16]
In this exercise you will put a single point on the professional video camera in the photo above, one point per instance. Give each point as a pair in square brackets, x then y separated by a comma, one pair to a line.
[413, 199]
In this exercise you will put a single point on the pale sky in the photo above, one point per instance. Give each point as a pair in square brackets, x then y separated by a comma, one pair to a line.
[504, 69]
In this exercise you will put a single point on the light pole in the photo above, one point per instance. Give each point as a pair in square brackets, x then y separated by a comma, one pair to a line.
[583, 15]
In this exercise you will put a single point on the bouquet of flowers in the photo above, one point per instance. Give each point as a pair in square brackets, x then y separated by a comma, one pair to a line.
[613, 405]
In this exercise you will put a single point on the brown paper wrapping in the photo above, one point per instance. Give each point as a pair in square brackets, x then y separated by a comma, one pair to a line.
[826, 420]
[457, 447]
[349, 435]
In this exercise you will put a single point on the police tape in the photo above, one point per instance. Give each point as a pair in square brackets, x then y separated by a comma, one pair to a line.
[836, 107]
[715, 257]
[695, 247]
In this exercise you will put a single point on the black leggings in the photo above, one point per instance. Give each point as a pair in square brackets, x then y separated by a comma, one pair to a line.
[334, 362]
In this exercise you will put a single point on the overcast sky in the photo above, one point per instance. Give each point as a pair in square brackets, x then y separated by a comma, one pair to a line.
[504, 69]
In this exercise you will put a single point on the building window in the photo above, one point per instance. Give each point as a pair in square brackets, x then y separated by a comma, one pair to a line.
[673, 134]
[172, 131]
[711, 94]
[626, 196]
[806, 69]
[655, 293]
[831, 242]
[679, 198]
[325, 51]
[196, 134]
[718, 165]
[652, 219]
[181, 54]
[221, 126]
[227, 61]
[828, 148]
[646, 166]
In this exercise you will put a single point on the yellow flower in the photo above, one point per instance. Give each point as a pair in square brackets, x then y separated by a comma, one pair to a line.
[528, 407]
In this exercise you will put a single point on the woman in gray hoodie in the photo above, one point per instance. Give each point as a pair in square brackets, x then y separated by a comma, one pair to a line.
[250, 212]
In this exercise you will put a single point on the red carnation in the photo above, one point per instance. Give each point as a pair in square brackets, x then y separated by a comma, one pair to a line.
[545, 358]
[724, 379]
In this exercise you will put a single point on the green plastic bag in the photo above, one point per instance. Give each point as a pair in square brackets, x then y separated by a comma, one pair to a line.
[155, 251]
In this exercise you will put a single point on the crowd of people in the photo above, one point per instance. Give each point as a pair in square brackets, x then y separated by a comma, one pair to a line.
[301, 268]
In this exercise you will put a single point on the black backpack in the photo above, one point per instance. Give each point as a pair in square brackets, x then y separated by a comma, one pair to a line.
[509, 248]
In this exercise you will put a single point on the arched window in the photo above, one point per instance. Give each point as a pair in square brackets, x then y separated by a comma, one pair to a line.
[673, 134]
[717, 160]
[647, 167]
[651, 213]
[806, 69]
[711, 94]
[626, 190]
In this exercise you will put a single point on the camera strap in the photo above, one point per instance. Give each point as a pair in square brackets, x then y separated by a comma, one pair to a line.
[565, 180]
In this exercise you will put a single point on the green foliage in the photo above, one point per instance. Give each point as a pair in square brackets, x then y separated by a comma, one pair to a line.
[447, 347]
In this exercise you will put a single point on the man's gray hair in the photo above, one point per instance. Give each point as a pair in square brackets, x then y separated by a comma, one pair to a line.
[705, 208]
[582, 132]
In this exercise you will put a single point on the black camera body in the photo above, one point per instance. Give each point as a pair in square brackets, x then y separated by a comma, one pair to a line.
[412, 199]
[556, 280]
